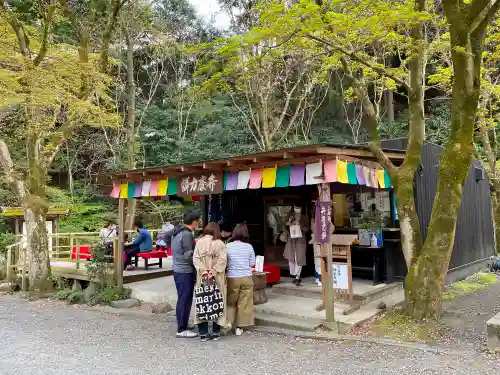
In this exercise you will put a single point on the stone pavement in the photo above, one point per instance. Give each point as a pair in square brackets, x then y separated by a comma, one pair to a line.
[47, 337]
[465, 317]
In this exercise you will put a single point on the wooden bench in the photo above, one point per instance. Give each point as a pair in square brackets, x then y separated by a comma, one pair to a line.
[155, 254]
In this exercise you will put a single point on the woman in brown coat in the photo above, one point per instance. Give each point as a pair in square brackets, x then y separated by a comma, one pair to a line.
[210, 259]
[296, 245]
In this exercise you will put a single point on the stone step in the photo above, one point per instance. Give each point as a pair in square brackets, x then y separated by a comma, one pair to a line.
[312, 291]
[493, 329]
[294, 323]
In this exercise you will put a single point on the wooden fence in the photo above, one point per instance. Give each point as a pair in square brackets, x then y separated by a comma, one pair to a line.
[65, 256]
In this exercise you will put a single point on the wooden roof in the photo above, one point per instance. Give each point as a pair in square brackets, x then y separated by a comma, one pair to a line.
[296, 155]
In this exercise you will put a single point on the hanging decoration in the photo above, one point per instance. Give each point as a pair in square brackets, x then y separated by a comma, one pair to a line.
[283, 176]
[269, 177]
[255, 179]
[314, 173]
[353, 173]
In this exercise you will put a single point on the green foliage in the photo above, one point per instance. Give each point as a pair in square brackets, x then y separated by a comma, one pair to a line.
[105, 294]
[70, 296]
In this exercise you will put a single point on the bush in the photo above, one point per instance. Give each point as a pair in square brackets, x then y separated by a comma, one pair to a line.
[105, 294]
[70, 296]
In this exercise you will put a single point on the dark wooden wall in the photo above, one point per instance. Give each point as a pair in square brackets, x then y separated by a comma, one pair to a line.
[474, 238]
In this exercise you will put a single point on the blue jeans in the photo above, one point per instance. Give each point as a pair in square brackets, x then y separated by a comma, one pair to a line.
[184, 283]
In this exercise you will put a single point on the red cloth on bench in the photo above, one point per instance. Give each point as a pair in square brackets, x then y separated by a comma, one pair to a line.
[85, 252]
[273, 273]
[153, 254]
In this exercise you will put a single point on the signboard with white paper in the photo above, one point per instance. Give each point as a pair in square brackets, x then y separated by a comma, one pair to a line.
[340, 276]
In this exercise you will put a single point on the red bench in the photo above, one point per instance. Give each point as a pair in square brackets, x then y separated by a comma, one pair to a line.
[155, 254]
[273, 273]
[84, 253]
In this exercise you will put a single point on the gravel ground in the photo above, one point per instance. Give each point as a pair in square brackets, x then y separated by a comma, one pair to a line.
[466, 316]
[50, 338]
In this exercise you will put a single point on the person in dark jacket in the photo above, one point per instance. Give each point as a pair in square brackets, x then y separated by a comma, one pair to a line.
[184, 271]
[142, 243]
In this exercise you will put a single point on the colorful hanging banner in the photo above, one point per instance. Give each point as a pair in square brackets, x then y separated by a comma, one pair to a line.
[162, 188]
[269, 177]
[115, 192]
[367, 176]
[387, 180]
[204, 184]
[146, 187]
[243, 180]
[373, 177]
[255, 179]
[380, 178]
[231, 181]
[351, 174]
[314, 173]
[172, 186]
[224, 185]
[155, 185]
[131, 191]
[283, 176]
[360, 175]
[297, 175]
[342, 172]
[123, 191]
[138, 190]
[331, 171]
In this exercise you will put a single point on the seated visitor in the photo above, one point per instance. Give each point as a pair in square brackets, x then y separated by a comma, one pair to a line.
[142, 243]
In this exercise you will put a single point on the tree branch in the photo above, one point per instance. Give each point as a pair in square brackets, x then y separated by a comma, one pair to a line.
[379, 70]
[106, 39]
[7, 169]
[48, 18]
[369, 111]
[478, 11]
[18, 28]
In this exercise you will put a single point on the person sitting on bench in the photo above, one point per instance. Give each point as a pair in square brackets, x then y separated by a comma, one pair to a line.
[142, 243]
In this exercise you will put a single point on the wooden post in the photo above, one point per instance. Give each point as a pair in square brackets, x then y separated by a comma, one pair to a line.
[24, 284]
[77, 253]
[55, 230]
[121, 233]
[9, 263]
[329, 300]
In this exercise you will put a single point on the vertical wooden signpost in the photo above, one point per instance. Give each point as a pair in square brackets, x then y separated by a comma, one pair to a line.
[121, 238]
[326, 248]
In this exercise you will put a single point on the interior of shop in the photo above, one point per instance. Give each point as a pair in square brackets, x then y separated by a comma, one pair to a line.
[369, 213]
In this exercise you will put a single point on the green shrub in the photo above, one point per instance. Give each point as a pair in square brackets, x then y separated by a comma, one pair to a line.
[70, 296]
[105, 294]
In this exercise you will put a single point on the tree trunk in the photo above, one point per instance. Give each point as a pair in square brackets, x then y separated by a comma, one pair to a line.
[38, 254]
[389, 105]
[35, 212]
[425, 280]
[130, 125]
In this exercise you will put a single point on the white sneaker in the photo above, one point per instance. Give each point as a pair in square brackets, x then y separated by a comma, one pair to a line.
[187, 334]
[239, 331]
[320, 284]
[317, 281]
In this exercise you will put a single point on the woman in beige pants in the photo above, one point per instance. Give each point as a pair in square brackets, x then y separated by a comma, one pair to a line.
[240, 261]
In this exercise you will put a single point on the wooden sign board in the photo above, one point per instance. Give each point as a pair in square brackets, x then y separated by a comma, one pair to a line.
[202, 184]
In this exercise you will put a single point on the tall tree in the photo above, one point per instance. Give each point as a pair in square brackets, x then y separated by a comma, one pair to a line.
[50, 89]
[347, 31]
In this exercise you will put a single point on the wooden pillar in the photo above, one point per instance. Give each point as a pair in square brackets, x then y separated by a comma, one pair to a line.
[329, 300]
[55, 230]
[121, 238]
